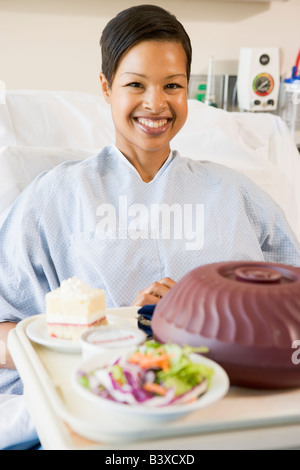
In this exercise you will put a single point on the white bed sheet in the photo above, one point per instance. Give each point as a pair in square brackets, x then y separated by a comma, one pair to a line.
[17, 430]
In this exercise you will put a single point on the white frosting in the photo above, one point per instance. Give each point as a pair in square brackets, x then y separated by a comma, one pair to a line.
[74, 286]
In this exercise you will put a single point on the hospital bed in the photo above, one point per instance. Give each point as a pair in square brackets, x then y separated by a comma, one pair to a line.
[41, 129]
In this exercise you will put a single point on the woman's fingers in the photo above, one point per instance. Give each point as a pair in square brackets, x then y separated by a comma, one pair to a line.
[166, 281]
[153, 293]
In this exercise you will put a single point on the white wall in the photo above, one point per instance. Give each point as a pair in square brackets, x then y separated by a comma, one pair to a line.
[54, 44]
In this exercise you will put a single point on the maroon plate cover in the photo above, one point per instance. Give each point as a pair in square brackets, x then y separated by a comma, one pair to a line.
[247, 313]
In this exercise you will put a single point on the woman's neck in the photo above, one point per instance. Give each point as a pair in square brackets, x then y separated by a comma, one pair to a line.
[147, 164]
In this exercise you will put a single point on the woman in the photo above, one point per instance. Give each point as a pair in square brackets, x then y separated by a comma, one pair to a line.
[137, 214]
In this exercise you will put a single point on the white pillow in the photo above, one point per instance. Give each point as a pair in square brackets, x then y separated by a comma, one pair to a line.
[218, 134]
[20, 165]
[55, 119]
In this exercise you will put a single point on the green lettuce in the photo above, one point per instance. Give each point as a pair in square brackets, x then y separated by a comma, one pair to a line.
[183, 374]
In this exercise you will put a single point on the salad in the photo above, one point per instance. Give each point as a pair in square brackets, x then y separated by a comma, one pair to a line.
[155, 374]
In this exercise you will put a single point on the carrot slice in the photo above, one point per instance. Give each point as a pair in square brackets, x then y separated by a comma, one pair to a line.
[147, 361]
[154, 388]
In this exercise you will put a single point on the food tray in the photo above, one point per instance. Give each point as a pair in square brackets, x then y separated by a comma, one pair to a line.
[245, 418]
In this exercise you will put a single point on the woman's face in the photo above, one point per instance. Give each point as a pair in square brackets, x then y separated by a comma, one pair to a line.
[148, 98]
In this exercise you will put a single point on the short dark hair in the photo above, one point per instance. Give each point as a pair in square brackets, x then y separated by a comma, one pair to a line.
[136, 24]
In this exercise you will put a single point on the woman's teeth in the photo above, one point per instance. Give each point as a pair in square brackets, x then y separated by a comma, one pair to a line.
[154, 124]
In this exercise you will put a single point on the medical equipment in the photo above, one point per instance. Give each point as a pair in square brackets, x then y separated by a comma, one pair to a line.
[210, 97]
[258, 79]
[290, 111]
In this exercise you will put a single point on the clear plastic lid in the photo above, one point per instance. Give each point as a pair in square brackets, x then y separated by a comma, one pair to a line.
[112, 337]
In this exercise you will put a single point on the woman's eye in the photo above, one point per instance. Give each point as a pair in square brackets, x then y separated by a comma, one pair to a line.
[134, 85]
[173, 86]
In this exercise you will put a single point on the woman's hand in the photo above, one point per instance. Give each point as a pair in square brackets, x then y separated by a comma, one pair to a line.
[6, 361]
[153, 293]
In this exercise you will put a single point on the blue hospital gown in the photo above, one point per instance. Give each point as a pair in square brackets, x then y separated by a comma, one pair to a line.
[97, 220]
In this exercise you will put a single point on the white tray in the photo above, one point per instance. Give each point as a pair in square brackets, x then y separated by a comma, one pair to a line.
[245, 418]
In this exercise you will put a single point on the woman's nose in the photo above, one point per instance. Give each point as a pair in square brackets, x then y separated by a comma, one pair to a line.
[155, 101]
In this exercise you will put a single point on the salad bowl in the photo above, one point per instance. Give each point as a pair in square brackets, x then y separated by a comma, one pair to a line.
[161, 409]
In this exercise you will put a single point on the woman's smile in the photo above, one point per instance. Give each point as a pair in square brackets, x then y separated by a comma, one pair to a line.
[153, 126]
[148, 99]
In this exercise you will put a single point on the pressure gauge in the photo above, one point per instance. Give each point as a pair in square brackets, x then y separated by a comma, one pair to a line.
[263, 84]
[258, 79]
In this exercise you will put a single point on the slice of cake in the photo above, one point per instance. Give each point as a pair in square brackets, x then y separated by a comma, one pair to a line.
[73, 308]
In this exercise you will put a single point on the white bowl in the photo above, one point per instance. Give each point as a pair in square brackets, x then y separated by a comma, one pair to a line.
[218, 388]
[114, 339]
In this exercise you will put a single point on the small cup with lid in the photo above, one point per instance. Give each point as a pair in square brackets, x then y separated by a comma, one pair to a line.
[116, 340]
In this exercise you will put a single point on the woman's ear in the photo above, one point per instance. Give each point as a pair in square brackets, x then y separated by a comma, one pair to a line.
[105, 87]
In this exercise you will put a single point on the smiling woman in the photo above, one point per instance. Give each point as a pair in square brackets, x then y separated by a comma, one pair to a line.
[144, 78]
[148, 99]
